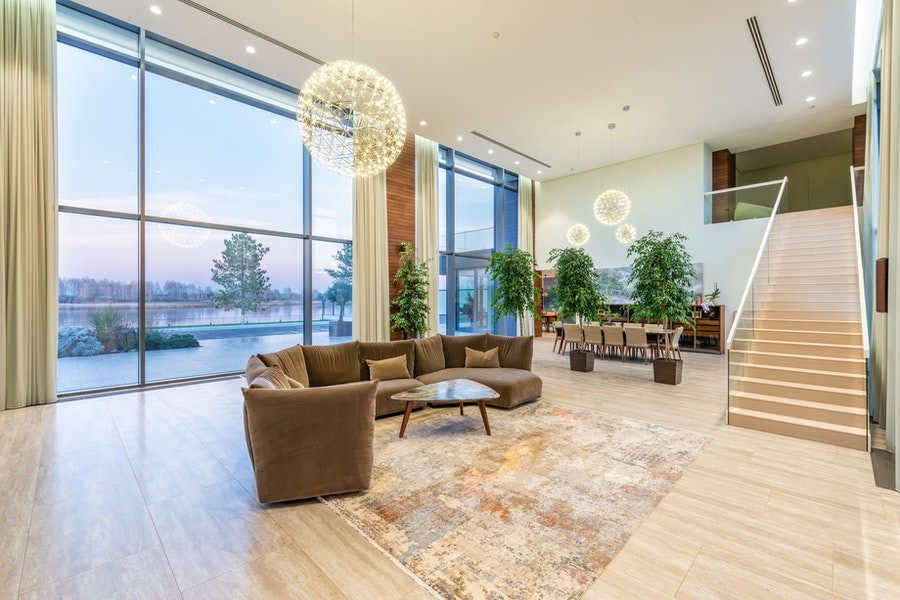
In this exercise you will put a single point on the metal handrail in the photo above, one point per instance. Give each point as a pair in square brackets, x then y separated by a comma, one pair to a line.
[863, 312]
[759, 255]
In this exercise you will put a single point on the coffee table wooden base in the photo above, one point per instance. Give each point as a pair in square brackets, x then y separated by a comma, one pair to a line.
[481, 407]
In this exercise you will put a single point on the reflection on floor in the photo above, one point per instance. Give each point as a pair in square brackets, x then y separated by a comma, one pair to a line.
[153, 491]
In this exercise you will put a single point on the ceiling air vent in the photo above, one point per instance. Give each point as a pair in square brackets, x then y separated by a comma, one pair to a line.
[753, 24]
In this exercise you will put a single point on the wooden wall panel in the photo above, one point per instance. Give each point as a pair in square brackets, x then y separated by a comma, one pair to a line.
[401, 209]
[859, 141]
[724, 176]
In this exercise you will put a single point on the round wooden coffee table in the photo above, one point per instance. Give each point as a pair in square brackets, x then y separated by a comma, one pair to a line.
[452, 391]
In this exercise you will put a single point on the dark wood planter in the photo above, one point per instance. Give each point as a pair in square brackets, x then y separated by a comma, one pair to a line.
[340, 328]
[580, 360]
[667, 371]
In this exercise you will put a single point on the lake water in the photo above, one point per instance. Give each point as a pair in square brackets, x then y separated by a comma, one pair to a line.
[172, 314]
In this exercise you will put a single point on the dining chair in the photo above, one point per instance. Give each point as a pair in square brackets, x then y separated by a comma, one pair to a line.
[560, 336]
[636, 339]
[674, 342]
[572, 333]
[593, 337]
[613, 340]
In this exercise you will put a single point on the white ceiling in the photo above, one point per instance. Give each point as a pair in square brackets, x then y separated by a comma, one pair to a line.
[688, 69]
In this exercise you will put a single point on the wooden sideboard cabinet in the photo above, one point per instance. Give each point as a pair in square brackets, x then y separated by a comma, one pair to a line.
[708, 332]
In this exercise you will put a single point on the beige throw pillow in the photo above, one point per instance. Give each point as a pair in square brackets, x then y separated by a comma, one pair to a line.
[488, 359]
[272, 378]
[294, 384]
[389, 368]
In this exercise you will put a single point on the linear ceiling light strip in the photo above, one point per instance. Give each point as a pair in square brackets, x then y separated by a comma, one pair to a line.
[513, 150]
[252, 31]
[762, 53]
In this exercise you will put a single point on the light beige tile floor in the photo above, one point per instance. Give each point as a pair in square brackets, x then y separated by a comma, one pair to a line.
[151, 495]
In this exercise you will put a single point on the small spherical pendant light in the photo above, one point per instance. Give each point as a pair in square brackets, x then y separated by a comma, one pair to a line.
[578, 234]
[612, 207]
[626, 233]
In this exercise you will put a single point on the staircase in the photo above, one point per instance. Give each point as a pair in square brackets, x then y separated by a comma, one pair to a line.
[796, 366]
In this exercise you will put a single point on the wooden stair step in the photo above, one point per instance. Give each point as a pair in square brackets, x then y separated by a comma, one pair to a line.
[809, 325]
[825, 363]
[837, 338]
[798, 375]
[803, 348]
[840, 435]
[798, 391]
[850, 416]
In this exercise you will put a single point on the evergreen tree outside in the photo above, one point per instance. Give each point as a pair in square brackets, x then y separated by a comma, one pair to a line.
[242, 280]
[341, 290]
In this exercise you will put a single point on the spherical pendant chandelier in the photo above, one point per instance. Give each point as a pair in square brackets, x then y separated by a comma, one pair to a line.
[612, 207]
[351, 118]
[184, 236]
[578, 234]
[626, 233]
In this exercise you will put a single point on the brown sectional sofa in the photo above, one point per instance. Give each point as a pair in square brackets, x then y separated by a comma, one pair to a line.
[303, 444]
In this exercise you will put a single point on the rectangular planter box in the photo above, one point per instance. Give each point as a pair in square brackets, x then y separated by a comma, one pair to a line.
[579, 360]
[667, 371]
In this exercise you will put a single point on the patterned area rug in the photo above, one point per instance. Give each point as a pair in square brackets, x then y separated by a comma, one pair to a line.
[536, 511]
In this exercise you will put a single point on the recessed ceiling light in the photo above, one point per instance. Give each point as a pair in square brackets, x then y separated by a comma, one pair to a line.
[459, 138]
[134, 77]
[539, 172]
[250, 50]
[517, 162]
[423, 122]
[802, 41]
[212, 101]
[156, 10]
[491, 151]
[810, 98]
[273, 122]
[791, 1]
[806, 73]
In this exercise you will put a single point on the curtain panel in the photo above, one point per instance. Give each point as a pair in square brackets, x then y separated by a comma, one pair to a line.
[526, 232]
[427, 156]
[28, 280]
[371, 279]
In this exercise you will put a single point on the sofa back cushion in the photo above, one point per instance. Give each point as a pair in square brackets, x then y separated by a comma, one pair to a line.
[331, 365]
[383, 350]
[455, 348]
[515, 352]
[291, 360]
[255, 366]
[429, 355]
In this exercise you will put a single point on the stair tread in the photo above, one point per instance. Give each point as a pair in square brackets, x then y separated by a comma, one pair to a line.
[800, 386]
[748, 340]
[850, 410]
[860, 361]
[860, 431]
[804, 331]
[802, 370]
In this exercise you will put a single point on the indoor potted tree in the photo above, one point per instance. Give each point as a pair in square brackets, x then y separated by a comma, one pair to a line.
[411, 315]
[514, 291]
[577, 296]
[661, 272]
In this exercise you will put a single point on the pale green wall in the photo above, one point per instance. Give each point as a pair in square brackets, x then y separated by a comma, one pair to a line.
[817, 183]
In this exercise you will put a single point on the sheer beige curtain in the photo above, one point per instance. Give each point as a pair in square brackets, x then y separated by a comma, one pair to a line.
[526, 232]
[28, 285]
[371, 283]
[427, 220]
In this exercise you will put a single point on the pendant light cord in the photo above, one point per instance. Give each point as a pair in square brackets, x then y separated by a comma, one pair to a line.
[352, 30]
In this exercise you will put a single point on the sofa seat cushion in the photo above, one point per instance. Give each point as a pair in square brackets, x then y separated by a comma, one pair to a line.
[515, 386]
[383, 403]
[331, 365]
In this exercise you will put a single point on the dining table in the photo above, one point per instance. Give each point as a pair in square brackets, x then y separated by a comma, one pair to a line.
[661, 334]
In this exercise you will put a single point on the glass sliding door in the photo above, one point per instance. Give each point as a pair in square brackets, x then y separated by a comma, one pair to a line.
[474, 291]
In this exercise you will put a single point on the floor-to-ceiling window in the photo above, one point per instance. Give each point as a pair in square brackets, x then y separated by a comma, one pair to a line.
[478, 206]
[193, 228]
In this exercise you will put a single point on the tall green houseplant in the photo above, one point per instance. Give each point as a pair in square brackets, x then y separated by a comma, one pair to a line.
[661, 271]
[514, 292]
[411, 316]
[577, 287]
